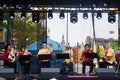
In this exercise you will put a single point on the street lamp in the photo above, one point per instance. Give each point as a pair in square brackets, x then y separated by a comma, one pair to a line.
[13, 41]
[27, 41]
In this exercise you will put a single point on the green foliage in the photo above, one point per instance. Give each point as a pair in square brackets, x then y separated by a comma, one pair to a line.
[114, 45]
[25, 28]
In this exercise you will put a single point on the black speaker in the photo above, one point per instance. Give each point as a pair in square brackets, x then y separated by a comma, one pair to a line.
[106, 72]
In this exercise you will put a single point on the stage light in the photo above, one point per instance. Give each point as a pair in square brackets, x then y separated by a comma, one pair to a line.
[73, 17]
[50, 15]
[94, 5]
[85, 15]
[11, 16]
[1, 16]
[80, 5]
[4, 6]
[105, 5]
[35, 16]
[99, 15]
[17, 6]
[23, 15]
[61, 16]
[29, 6]
[53, 79]
[111, 17]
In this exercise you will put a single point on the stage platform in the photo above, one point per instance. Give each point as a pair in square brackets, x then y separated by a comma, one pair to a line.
[57, 76]
[49, 73]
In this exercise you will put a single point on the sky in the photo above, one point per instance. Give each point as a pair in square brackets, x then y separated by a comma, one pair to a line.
[79, 31]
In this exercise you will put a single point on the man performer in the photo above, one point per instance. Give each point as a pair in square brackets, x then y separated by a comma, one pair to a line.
[108, 58]
[45, 50]
[67, 63]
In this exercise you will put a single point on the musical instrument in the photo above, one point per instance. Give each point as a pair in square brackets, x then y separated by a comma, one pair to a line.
[27, 52]
[50, 46]
[12, 55]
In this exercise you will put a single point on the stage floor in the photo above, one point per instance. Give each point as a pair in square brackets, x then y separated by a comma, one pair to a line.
[57, 76]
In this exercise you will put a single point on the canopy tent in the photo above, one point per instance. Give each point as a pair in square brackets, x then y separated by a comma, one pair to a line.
[55, 45]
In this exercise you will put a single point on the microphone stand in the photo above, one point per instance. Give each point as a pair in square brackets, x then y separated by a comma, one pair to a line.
[77, 58]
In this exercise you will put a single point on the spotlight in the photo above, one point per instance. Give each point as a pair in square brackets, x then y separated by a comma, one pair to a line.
[73, 17]
[80, 5]
[4, 6]
[29, 6]
[105, 4]
[62, 16]
[35, 16]
[1, 16]
[94, 5]
[85, 15]
[111, 17]
[17, 6]
[53, 79]
[23, 15]
[99, 15]
[11, 16]
[50, 15]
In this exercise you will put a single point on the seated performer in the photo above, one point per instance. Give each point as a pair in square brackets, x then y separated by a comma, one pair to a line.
[87, 61]
[45, 50]
[24, 59]
[68, 63]
[9, 57]
[109, 57]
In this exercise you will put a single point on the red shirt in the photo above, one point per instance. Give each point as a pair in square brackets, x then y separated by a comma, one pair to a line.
[20, 54]
[5, 56]
[83, 55]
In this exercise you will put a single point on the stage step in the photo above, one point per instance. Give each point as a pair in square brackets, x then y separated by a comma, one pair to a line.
[50, 70]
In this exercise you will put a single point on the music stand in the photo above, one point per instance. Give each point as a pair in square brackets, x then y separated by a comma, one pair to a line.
[24, 58]
[62, 56]
[44, 56]
[91, 55]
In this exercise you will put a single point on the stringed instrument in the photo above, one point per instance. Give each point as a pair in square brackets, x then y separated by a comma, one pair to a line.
[12, 55]
[50, 46]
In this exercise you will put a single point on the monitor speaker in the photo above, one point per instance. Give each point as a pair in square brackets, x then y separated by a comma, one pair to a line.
[106, 72]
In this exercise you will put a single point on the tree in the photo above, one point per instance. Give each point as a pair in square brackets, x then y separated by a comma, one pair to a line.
[24, 30]
[114, 45]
